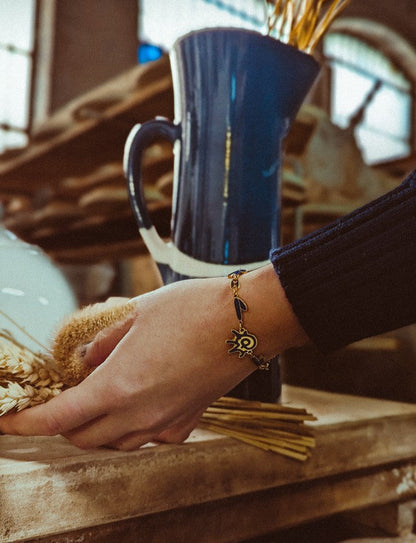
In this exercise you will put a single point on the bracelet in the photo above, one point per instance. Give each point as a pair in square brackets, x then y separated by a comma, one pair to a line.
[244, 342]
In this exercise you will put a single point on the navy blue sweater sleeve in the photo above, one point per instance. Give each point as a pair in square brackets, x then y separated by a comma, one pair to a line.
[356, 277]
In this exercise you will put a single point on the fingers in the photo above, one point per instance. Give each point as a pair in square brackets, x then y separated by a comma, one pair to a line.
[100, 431]
[132, 441]
[176, 434]
[70, 409]
[107, 430]
[180, 431]
[105, 341]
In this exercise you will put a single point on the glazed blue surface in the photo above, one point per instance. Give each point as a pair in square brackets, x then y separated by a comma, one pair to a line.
[236, 94]
[239, 93]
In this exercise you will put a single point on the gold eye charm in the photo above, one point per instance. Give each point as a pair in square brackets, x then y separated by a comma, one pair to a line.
[243, 342]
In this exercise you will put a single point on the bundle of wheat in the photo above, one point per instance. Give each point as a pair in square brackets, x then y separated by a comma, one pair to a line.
[301, 23]
[28, 378]
[268, 426]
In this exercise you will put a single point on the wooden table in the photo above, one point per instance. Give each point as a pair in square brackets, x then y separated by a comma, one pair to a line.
[212, 488]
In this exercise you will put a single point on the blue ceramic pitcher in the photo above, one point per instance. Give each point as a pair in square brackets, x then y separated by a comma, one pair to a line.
[236, 94]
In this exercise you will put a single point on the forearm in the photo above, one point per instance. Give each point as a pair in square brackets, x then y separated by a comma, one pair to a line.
[355, 277]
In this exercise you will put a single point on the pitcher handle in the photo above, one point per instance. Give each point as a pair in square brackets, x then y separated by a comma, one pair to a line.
[140, 137]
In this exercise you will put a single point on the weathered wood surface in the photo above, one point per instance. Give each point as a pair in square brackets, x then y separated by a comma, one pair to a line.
[365, 455]
[394, 519]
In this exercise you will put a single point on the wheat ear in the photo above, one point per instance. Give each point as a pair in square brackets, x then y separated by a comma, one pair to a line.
[26, 378]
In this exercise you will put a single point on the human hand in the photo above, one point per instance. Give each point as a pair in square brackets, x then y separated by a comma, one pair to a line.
[156, 373]
[158, 370]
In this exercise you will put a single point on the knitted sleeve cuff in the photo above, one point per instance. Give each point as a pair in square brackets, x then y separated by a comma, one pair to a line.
[355, 278]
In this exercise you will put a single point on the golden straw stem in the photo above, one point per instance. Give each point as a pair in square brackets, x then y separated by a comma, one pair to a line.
[283, 432]
[225, 401]
[23, 330]
[298, 22]
[262, 434]
[262, 414]
[281, 450]
[294, 428]
[273, 18]
[323, 26]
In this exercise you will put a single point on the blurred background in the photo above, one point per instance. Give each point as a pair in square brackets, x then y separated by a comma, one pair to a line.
[75, 76]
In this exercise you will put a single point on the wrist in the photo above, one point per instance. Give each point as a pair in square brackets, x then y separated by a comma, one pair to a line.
[269, 315]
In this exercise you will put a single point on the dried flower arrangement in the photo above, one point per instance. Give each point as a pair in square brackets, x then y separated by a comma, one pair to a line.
[28, 378]
[301, 23]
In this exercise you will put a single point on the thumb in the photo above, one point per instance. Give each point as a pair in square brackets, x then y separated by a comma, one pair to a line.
[95, 352]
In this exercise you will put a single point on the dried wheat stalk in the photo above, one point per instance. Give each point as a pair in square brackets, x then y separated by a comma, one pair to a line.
[301, 23]
[26, 378]
[272, 427]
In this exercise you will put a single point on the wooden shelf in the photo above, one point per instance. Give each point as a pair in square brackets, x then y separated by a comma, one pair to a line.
[102, 238]
[364, 457]
[70, 177]
[86, 145]
[75, 159]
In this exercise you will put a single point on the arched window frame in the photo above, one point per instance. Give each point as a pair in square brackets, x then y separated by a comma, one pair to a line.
[12, 133]
[394, 47]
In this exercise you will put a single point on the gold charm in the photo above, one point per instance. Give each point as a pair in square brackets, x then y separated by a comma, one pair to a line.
[243, 342]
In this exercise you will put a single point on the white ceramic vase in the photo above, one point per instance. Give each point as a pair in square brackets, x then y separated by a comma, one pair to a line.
[34, 293]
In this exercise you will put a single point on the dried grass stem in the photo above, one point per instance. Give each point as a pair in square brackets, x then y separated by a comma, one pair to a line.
[272, 427]
[302, 23]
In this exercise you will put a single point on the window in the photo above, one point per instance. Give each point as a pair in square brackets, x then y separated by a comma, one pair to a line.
[161, 22]
[369, 93]
[16, 53]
